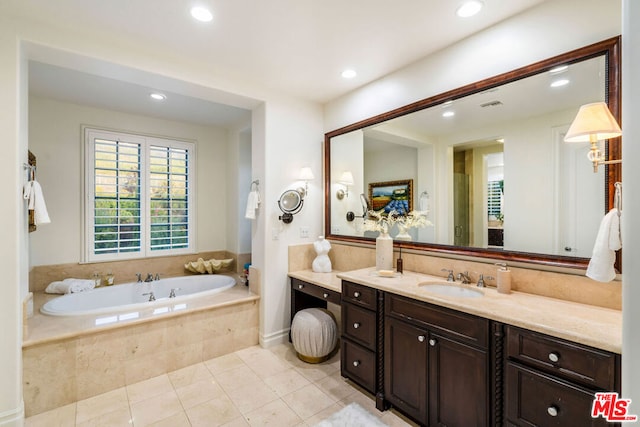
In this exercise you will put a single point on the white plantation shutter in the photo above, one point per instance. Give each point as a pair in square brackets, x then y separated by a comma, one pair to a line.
[138, 196]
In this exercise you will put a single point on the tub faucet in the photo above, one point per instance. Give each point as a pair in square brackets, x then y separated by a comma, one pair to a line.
[464, 278]
[139, 276]
[450, 276]
[157, 277]
[149, 278]
[152, 297]
[172, 294]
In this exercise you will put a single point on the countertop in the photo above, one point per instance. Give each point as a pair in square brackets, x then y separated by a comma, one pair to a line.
[585, 324]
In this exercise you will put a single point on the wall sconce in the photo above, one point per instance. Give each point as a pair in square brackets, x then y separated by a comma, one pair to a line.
[346, 179]
[593, 123]
[306, 175]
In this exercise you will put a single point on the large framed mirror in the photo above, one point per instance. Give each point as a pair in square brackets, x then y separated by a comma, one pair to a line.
[488, 164]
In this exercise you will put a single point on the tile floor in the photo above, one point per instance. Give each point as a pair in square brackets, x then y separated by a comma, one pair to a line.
[251, 387]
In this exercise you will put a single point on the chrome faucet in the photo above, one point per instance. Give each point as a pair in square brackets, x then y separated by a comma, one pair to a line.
[152, 297]
[450, 276]
[139, 276]
[464, 278]
[149, 278]
[172, 293]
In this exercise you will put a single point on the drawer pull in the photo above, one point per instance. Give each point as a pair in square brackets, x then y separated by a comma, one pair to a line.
[356, 325]
[300, 286]
[554, 357]
[432, 342]
[356, 363]
[356, 294]
[421, 338]
[552, 410]
[325, 295]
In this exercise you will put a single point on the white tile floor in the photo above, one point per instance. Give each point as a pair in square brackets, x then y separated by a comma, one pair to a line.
[251, 387]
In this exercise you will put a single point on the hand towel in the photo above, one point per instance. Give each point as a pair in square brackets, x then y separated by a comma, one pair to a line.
[33, 192]
[253, 202]
[607, 242]
[68, 286]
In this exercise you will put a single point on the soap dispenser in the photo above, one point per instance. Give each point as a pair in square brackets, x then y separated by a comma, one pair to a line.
[503, 278]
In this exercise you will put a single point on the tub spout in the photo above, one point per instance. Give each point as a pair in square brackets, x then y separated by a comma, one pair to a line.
[149, 278]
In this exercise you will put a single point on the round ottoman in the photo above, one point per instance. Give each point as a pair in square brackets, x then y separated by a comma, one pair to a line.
[314, 334]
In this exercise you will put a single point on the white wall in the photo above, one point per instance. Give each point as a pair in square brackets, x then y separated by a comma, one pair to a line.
[631, 203]
[56, 139]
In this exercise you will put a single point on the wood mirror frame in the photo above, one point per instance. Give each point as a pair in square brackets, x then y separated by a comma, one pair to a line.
[610, 48]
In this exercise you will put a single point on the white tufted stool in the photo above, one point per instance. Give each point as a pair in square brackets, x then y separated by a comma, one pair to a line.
[314, 334]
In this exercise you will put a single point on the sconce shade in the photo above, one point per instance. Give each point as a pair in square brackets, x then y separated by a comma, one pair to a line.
[346, 178]
[594, 122]
[306, 174]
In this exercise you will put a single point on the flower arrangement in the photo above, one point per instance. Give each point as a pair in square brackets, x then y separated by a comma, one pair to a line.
[376, 221]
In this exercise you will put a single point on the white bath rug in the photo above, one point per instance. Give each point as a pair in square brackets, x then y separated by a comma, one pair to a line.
[352, 415]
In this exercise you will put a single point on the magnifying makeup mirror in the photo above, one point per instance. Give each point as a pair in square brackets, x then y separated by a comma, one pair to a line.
[290, 203]
[365, 207]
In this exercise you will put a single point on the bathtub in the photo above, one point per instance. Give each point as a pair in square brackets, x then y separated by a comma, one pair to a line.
[130, 296]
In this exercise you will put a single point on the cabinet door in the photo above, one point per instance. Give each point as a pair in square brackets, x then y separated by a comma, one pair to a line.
[405, 369]
[458, 384]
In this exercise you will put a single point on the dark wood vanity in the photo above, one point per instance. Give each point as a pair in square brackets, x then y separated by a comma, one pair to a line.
[445, 367]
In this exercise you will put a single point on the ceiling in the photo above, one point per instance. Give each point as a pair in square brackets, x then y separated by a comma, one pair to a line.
[293, 47]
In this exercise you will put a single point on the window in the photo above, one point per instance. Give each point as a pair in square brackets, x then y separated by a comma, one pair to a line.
[139, 196]
[494, 199]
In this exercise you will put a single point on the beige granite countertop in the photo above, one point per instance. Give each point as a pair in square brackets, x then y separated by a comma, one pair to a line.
[586, 324]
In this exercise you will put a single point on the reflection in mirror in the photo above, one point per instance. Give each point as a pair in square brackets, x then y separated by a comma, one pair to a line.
[491, 167]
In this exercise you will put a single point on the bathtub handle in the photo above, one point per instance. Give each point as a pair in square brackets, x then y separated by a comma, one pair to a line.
[152, 297]
[172, 293]
[139, 275]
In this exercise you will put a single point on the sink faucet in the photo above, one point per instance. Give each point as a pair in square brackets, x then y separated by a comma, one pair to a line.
[464, 277]
[450, 276]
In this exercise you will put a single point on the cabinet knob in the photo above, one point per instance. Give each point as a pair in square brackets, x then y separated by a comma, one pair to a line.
[300, 286]
[356, 294]
[421, 338]
[325, 295]
[554, 357]
[356, 325]
[432, 342]
[356, 363]
[553, 410]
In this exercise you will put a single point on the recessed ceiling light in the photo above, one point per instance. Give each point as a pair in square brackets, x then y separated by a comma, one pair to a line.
[349, 74]
[158, 96]
[559, 82]
[448, 114]
[201, 14]
[469, 8]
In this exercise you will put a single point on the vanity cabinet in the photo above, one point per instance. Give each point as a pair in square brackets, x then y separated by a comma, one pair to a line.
[436, 363]
[551, 382]
[361, 343]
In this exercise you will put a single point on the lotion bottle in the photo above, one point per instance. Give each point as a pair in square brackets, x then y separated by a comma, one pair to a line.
[503, 278]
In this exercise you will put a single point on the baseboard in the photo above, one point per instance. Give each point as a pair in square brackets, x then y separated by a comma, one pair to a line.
[274, 338]
[13, 417]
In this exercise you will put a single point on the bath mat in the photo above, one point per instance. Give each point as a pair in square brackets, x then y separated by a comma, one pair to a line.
[352, 415]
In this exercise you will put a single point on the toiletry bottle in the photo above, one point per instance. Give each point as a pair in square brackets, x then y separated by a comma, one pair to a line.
[503, 280]
[108, 279]
[96, 279]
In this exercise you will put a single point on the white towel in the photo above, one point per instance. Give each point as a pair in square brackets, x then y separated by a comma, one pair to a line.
[33, 193]
[607, 242]
[253, 202]
[68, 286]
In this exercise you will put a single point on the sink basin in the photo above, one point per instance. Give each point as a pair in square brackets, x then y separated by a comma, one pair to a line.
[451, 290]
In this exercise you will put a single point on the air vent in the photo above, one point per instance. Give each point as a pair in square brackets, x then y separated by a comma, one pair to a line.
[491, 104]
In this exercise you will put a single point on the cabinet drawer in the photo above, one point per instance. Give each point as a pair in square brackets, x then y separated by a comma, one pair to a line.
[359, 325]
[467, 327]
[586, 365]
[316, 291]
[358, 364]
[536, 399]
[363, 296]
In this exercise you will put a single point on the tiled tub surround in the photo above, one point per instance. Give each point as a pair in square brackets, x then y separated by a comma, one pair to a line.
[125, 271]
[66, 359]
[567, 286]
